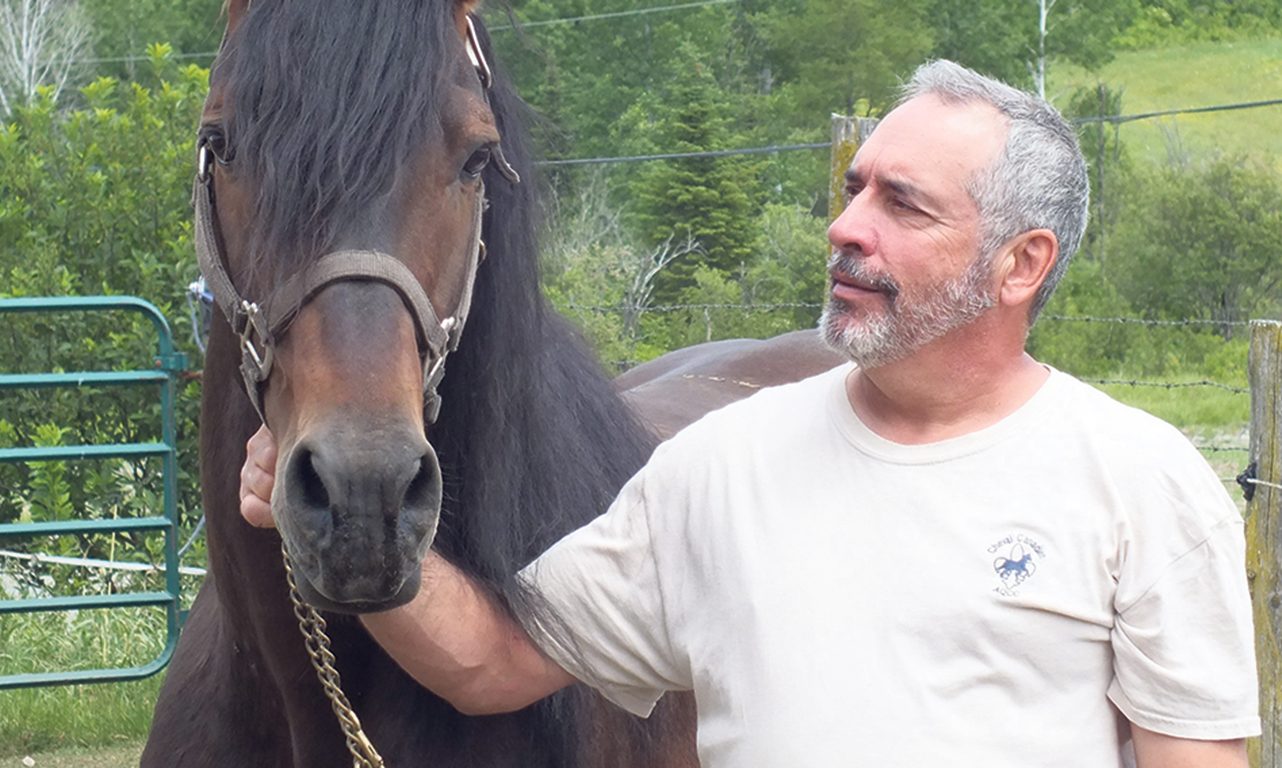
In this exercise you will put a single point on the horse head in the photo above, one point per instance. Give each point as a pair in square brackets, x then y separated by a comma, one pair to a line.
[339, 204]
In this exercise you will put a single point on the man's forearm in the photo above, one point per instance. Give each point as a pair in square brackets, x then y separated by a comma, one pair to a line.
[455, 640]
[1156, 750]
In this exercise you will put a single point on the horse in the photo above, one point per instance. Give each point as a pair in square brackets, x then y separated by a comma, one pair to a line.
[362, 220]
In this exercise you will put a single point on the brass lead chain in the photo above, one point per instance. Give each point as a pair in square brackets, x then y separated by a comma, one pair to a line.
[312, 625]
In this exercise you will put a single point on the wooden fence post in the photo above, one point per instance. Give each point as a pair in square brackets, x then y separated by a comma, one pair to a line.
[847, 134]
[1264, 533]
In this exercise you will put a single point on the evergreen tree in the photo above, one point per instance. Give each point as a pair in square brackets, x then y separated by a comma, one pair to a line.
[710, 199]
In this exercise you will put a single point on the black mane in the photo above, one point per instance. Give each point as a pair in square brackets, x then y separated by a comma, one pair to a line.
[532, 439]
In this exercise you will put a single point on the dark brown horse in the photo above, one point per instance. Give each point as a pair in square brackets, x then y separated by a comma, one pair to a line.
[349, 153]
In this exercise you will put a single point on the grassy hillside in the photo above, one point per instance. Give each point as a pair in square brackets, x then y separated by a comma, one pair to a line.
[1195, 75]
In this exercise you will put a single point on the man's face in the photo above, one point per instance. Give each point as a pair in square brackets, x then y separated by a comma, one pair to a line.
[905, 266]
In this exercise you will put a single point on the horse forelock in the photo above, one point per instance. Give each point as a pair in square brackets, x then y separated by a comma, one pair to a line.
[325, 101]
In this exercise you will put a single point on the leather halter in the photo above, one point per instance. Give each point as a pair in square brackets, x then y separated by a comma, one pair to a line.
[260, 326]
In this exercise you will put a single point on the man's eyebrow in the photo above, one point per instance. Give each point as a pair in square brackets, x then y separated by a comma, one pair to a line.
[896, 184]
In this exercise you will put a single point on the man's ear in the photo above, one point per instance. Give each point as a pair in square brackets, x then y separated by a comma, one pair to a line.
[1028, 260]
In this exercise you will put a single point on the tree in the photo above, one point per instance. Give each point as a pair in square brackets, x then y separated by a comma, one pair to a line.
[827, 55]
[41, 42]
[123, 30]
[1013, 39]
[1106, 159]
[710, 200]
[1201, 242]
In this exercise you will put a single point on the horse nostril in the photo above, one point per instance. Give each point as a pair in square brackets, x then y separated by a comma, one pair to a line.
[308, 480]
[423, 488]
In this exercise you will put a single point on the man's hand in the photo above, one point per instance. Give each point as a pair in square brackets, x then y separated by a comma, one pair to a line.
[257, 477]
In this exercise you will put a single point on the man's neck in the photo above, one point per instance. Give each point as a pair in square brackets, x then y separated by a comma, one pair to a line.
[946, 389]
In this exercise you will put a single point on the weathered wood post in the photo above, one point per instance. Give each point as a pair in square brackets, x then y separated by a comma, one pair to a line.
[848, 133]
[1264, 533]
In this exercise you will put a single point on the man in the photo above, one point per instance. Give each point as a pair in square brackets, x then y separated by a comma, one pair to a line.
[945, 553]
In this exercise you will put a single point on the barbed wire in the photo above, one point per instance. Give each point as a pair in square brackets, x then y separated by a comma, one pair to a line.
[1145, 321]
[1170, 384]
[1224, 448]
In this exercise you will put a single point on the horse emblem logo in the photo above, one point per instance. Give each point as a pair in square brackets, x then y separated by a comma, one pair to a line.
[1016, 568]
[1015, 559]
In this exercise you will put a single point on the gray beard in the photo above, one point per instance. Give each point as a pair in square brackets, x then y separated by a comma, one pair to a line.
[910, 322]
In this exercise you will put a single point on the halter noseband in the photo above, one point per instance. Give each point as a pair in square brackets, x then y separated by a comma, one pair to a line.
[259, 327]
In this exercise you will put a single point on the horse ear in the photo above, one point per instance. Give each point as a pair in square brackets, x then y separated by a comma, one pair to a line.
[463, 9]
[235, 9]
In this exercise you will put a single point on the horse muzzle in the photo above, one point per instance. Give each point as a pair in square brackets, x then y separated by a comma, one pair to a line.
[358, 513]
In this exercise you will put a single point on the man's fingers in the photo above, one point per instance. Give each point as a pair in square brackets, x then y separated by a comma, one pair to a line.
[257, 476]
[257, 512]
[261, 449]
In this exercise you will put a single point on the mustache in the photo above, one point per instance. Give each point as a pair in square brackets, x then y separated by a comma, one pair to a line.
[857, 269]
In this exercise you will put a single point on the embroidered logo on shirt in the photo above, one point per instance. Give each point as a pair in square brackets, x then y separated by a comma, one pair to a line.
[1016, 562]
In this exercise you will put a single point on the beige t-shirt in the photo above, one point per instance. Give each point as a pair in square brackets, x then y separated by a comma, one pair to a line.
[836, 599]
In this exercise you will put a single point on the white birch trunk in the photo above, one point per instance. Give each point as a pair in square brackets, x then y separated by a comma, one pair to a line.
[40, 44]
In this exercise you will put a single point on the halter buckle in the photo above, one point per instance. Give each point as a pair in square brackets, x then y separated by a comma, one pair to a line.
[253, 324]
[203, 156]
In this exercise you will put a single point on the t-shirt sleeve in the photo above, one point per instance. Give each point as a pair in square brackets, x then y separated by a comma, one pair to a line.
[1184, 661]
[605, 621]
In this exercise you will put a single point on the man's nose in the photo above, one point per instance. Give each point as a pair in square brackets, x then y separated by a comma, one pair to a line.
[853, 228]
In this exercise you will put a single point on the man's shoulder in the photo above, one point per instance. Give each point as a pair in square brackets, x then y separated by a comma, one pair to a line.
[1131, 443]
[1093, 410]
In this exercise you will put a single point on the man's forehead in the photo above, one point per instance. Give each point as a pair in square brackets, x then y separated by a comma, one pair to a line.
[926, 140]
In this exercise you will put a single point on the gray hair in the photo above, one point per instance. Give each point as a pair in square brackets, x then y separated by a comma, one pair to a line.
[1038, 181]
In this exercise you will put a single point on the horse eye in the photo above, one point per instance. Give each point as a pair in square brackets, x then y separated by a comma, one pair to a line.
[477, 162]
[214, 138]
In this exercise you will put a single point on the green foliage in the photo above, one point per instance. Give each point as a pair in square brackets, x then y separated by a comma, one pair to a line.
[826, 55]
[1200, 241]
[122, 30]
[709, 199]
[1000, 37]
[1174, 22]
[1107, 160]
[95, 201]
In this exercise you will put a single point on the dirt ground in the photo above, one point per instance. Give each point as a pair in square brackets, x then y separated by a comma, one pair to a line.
[118, 756]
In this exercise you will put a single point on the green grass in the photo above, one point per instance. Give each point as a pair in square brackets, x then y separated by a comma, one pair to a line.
[80, 716]
[1193, 75]
[1200, 412]
[60, 717]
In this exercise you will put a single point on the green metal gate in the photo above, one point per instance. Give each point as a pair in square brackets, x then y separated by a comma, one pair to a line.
[168, 363]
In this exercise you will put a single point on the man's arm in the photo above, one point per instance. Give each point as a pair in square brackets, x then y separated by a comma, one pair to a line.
[453, 638]
[1157, 750]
